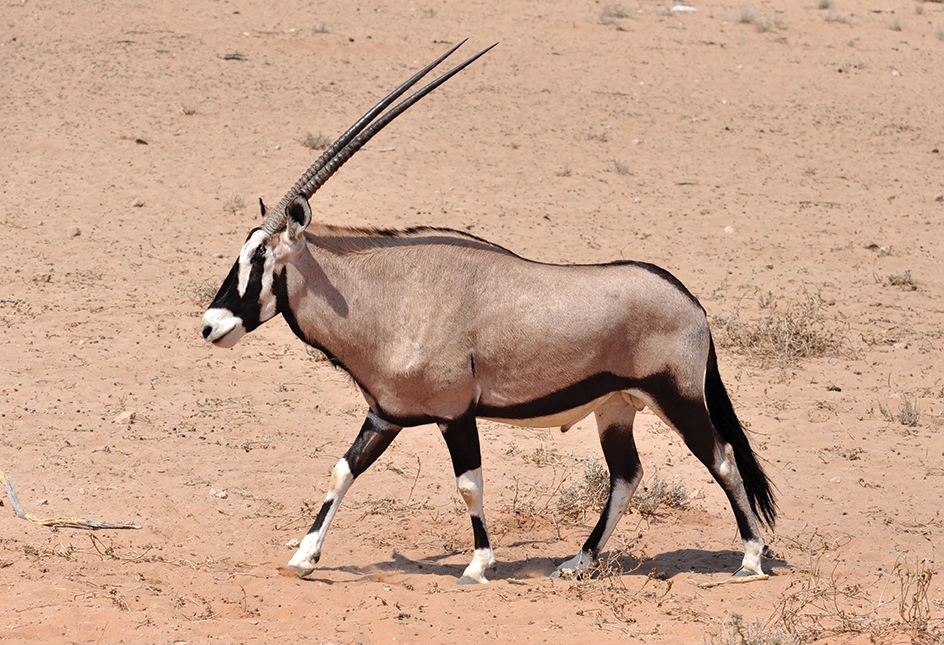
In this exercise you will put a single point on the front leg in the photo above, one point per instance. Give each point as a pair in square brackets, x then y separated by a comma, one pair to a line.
[374, 437]
[462, 439]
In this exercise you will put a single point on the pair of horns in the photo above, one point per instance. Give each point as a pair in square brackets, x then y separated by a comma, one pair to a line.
[358, 135]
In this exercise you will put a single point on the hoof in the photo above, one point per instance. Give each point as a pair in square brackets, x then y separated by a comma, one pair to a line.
[567, 574]
[469, 580]
[744, 572]
[301, 569]
[575, 568]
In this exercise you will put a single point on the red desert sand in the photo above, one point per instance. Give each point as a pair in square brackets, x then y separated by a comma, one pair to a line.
[784, 161]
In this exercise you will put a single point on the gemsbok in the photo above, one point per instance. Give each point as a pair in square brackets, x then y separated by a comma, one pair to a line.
[437, 326]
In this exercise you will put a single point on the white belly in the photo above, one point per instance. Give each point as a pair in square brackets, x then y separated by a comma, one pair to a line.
[567, 418]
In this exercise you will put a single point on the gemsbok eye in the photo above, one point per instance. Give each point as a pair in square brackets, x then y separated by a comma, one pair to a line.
[437, 326]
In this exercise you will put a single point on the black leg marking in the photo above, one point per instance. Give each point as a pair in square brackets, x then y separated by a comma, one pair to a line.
[690, 417]
[622, 460]
[375, 436]
[462, 439]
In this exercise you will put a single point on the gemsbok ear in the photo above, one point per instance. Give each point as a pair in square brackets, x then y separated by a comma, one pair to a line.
[262, 208]
[299, 216]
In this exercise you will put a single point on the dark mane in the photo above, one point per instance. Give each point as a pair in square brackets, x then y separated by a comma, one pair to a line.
[344, 239]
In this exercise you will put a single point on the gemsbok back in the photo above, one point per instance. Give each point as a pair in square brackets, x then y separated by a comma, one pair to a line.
[436, 326]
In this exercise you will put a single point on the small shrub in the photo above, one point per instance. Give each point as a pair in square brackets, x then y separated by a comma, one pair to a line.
[800, 331]
[611, 14]
[908, 414]
[593, 135]
[844, 18]
[743, 15]
[902, 280]
[619, 167]
[737, 632]
[234, 204]
[316, 141]
[201, 294]
[769, 23]
[544, 457]
[188, 109]
[658, 493]
[587, 493]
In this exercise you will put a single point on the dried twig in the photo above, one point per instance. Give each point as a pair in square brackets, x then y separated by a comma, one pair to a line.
[66, 522]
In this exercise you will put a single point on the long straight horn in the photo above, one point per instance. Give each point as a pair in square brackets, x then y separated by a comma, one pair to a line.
[355, 137]
[313, 184]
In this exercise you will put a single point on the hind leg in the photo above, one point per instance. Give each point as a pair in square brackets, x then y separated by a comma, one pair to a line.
[689, 417]
[615, 425]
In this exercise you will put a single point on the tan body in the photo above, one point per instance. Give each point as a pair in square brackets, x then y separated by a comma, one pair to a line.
[433, 324]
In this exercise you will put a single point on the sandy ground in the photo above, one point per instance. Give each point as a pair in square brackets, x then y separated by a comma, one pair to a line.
[790, 165]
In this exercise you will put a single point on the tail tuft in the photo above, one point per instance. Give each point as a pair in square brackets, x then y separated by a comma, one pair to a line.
[725, 420]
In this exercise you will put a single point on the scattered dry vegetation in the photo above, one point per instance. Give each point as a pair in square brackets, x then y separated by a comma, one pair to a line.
[234, 204]
[588, 493]
[749, 16]
[902, 280]
[612, 14]
[841, 17]
[908, 414]
[736, 632]
[657, 493]
[316, 141]
[799, 329]
[817, 604]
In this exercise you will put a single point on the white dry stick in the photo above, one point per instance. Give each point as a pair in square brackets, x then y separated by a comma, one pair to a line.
[67, 522]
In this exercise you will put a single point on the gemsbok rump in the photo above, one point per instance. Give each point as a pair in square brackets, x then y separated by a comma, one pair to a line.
[437, 326]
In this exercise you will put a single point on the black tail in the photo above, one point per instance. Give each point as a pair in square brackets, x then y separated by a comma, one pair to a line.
[729, 427]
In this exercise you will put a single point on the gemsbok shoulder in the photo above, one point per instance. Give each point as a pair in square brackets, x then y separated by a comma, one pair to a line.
[439, 327]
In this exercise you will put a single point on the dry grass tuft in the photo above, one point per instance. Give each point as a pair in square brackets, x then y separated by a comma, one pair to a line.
[737, 632]
[658, 493]
[749, 16]
[201, 294]
[234, 204]
[588, 493]
[619, 168]
[844, 18]
[908, 414]
[798, 330]
[611, 14]
[597, 135]
[743, 15]
[902, 280]
[316, 141]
